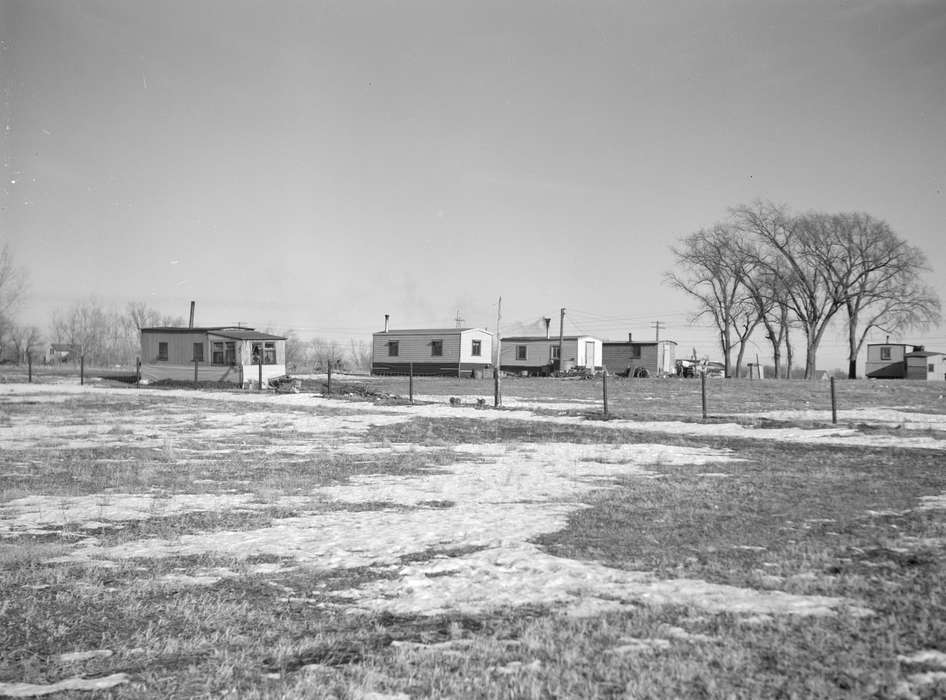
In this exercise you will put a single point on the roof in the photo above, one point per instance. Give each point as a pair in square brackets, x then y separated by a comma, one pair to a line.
[234, 332]
[637, 342]
[922, 353]
[535, 338]
[245, 334]
[428, 331]
[187, 329]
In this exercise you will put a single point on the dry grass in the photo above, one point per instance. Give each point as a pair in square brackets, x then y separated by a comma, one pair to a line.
[806, 520]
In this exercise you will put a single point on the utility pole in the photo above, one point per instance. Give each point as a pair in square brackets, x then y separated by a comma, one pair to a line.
[658, 325]
[459, 319]
[497, 368]
[561, 341]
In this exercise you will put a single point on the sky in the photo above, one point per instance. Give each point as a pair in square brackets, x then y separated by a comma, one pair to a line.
[312, 166]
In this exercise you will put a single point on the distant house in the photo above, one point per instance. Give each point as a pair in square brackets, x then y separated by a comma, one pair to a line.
[538, 355]
[904, 361]
[58, 353]
[453, 352]
[631, 358]
[220, 354]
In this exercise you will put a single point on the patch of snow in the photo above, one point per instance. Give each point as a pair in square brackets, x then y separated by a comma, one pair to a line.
[30, 513]
[931, 657]
[32, 690]
[76, 656]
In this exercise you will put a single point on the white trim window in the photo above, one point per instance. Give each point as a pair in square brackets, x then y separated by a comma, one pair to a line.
[522, 352]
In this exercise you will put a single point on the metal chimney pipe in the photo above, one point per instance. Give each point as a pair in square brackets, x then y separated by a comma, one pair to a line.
[191, 322]
[386, 318]
[630, 337]
[548, 322]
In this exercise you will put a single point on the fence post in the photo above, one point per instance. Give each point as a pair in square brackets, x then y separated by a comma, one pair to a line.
[604, 391]
[703, 392]
[259, 365]
[834, 404]
[137, 372]
[195, 372]
[328, 388]
[81, 370]
[410, 382]
[29, 366]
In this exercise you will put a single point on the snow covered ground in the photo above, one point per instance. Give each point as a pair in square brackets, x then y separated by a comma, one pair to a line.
[476, 516]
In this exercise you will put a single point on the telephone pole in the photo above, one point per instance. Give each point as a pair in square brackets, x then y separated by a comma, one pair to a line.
[561, 341]
[459, 319]
[498, 367]
[658, 325]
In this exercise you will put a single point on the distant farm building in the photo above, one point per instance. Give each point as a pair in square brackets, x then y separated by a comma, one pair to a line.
[631, 358]
[538, 355]
[219, 354]
[62, 352]
[904, 361]
[452, 352]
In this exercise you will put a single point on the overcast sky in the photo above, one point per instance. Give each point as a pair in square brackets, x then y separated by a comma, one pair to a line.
[315, 165]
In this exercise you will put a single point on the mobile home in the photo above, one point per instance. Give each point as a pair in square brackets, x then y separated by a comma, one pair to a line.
[455, 352]
[539, 355]
[216, 354]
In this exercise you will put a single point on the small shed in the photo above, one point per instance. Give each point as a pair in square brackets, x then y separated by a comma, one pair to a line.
[926, 365]
[217, 353]
[630, 358]
[452, 352]
[538, 355]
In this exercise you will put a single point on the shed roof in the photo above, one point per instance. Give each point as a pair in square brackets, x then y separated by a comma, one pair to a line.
[922, 353]
[631, 343]
[429, 331]
[535, 338]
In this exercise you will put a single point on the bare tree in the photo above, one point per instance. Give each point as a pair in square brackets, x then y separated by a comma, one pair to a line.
[360, 352]
[805, 248]
[25, 339]
[712, 269]
[879, 277]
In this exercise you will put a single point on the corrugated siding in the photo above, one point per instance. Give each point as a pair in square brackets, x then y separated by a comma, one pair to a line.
[180, 346]
[537, 352]
[415, 348]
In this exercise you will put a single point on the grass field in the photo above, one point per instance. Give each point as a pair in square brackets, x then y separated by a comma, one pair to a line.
[173, 543]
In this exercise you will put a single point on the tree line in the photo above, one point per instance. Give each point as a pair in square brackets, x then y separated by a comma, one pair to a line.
[111, 336]
[765, 269]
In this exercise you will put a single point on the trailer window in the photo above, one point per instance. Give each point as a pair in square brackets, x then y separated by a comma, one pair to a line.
[393, 348]
[520, 352]
[163, 351]
[436, 348]
[477, 350]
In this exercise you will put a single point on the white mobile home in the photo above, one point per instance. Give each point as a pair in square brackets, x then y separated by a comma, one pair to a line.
[538, 355]
[455, 352]
[217, 354]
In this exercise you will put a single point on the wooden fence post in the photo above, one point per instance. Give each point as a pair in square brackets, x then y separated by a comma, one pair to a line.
[137, 372]
[703, 392]
[29, 366]
[834, 404]
[410, 382]
[81, 370]
[195, 372]
[604, 391]
[259, 365]
[328, 388]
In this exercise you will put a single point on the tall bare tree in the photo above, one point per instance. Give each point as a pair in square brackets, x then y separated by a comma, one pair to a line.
[804, 246]
[711, 267]
[879, 278]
